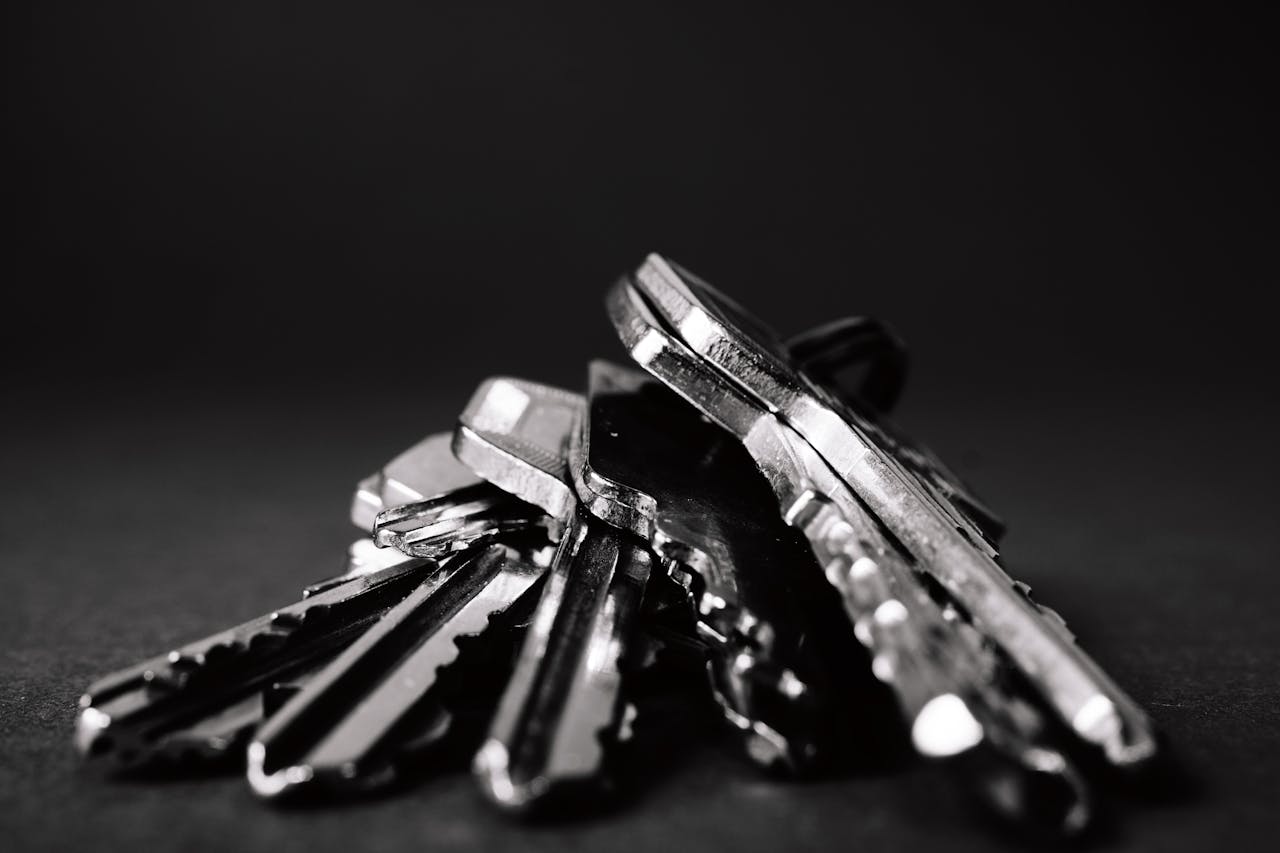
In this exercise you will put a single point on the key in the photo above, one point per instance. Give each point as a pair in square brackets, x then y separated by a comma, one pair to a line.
[426, 470]
[947, 682]
[918, 513]
[455, 521]
[645, 462]
[453, 509]
[197, 701]
[363, 558]
[181, 707]
[345, 730]
[563, 708]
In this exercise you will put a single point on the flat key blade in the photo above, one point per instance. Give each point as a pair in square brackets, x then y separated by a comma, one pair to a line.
[564, 705]
[344, 729]
[363, 558]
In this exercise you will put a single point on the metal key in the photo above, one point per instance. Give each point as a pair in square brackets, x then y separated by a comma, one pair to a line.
[645, 462]
[564, 705]
[203, 700]
[428, 469]
[426, 489]
[918, 511]
[199, 700]
[437, 526]
[949, 685]
[346, 728]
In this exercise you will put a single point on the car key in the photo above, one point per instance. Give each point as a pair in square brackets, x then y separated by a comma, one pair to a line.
[946, 681]
[345, 728]
[645, 462]
[916, 511]
[564, 705]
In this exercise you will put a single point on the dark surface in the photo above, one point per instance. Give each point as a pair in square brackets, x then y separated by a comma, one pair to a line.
[262, 247]
[173, 516]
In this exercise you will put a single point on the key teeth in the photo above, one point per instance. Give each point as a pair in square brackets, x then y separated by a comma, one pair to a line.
[96, 736]
[96, 739]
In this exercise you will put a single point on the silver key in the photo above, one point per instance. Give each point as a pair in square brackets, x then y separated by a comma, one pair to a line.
[645, 462]
[946, 680]
[563, 707]
[564, 704]
[451, 509]
[453, 522]
[202, 701]
[916, 510]
[426, 470]
[198, 701]
[345, 728]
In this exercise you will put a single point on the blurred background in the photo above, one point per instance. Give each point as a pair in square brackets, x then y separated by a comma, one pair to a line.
[255, 249]
[262, 191]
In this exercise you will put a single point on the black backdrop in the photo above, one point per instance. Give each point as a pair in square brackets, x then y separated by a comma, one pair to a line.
[232, 188]
[257, 248]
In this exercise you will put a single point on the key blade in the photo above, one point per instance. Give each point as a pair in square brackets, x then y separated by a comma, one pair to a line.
[339, 732]
[363, 558]
[563, 703]
[140, 715]
[947, 682]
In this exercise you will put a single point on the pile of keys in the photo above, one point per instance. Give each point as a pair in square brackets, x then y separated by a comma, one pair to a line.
[737, 512]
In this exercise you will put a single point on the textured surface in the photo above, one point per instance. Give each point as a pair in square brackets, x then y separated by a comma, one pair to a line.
[136, 520]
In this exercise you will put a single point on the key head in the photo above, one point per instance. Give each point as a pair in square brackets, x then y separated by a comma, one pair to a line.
[455, 521]
[800, 386]
[425, 471]
[515, 434]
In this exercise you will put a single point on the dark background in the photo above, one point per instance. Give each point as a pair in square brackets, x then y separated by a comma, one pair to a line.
[256, 249]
